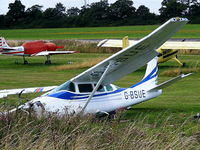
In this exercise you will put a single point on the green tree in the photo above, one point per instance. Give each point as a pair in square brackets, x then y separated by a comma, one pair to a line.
[195, 12]
[34, 12]
[121, 9]
[74, 11]
[54, 13]
[60, 10]
[144, 16]
[172, 8]
[2, 21]
[16, 11]
[95, 14]
[142, 11]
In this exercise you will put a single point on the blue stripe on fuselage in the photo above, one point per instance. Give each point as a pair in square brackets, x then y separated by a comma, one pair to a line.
[147, 77]
[66, 95]
[72, 96]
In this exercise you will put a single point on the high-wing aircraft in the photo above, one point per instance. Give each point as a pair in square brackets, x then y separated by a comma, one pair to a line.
[169, 50]
[33, 48]
[93, 92]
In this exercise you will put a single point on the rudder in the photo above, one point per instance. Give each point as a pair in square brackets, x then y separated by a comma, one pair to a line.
[3, 42]
[151, 74]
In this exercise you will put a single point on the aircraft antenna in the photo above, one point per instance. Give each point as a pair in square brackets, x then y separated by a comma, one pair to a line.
[86, 2]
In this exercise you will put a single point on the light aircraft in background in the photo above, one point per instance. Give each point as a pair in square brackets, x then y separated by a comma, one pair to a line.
[169, 50]
[92, 91]
[33, 48]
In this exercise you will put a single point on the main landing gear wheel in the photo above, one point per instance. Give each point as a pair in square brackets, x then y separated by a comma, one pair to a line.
[48, 61]
[25, 61]
[184, 64]
[16, 62]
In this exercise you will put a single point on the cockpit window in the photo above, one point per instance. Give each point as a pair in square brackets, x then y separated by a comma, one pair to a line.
[109, 88]
[71, 87]
[100, 89]
[85, 88]
[68, 86]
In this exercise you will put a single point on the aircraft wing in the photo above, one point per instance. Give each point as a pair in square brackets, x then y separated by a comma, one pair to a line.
[45, 53]
[114, 43]
[194, 45]
[5, 93]
[181, 45]
[133, 57]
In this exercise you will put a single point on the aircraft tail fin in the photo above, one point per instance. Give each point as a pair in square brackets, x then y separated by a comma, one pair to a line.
[169, 82]
[150, 78]
[3, 43]
[125, 42]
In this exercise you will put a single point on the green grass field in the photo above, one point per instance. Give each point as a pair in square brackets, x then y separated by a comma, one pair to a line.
[165, 122]
[184, 93]
[189, 31]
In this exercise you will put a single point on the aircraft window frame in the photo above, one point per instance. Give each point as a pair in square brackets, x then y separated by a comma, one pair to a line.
[110, 86]
[115, 87]
[102, 87]
[63, 86]
[88, 91]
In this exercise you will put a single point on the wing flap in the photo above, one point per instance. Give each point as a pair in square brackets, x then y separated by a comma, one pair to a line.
[134, 56]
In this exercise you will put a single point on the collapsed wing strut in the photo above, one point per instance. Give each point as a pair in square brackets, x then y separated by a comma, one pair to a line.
[97, 86]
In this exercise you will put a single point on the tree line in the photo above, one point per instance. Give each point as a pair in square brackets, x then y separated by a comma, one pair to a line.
[122, 12]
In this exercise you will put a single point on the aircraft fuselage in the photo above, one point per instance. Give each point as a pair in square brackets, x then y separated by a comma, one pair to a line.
[63, 101]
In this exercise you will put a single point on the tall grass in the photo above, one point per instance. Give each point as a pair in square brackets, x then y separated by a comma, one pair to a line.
[178, 71]
[191, 51]
[85, 64]
[21, 131]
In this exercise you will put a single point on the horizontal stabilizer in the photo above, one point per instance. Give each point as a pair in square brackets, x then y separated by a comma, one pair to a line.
[169, 82]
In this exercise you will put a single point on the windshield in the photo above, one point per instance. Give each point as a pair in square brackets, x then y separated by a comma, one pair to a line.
[68, 86]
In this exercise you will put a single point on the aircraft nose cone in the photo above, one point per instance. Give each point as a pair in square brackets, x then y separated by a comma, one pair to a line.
[38, 108]
[35, 107]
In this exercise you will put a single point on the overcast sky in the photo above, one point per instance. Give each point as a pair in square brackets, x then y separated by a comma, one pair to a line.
[153, 5]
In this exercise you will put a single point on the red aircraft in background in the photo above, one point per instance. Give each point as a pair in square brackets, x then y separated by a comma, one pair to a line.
[33, 48]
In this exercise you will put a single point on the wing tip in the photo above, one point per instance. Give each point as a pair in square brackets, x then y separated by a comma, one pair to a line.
[179, 19]
[185, 75]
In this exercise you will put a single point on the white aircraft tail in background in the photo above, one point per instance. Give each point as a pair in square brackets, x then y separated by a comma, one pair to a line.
[3, 43]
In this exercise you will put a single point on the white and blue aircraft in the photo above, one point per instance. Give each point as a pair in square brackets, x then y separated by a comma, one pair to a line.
[92, 91]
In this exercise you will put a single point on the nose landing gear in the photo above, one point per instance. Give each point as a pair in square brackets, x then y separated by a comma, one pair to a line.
[25, 61]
